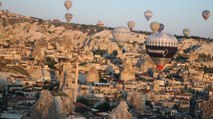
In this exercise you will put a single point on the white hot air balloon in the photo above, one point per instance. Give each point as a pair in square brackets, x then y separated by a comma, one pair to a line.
[154, 26]
[100, 24]
[206, 14]
[186, 32]
[121, 35]
[68, 17]
[148, 14]
[161, 48]
[68, 4]
[131, 25]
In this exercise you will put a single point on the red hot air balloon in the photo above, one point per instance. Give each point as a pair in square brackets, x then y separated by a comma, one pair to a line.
[161, 47]
[206, 14]
[68, 17]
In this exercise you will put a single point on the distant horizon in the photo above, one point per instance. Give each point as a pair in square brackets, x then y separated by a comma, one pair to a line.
[175, 15]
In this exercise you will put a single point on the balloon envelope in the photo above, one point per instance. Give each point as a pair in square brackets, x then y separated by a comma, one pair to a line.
[131, 25]
[186, 32]
[161, 47]
[121, 35]
[154, 26]
[206, 14]
[100, 24]
[161, 28]
[68, 4]
[68, 17]
[148, 14]
[56, 21]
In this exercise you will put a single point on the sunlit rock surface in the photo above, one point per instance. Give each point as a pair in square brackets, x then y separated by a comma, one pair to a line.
[120, 112]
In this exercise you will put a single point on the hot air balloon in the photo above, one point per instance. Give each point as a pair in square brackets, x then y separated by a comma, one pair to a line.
[161, 47]
[131, 25]
[100, 24]
[154, 26]
[121, 35]
[68, 4]
[186, 32]
[161, 28]
[0, 3]
[68, 17]
[56, 21]
[148, 14]
[206, 14]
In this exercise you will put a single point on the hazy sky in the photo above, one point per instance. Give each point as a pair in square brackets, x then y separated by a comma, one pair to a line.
[174, 14]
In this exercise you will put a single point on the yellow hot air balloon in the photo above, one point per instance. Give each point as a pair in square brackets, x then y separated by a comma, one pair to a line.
[68, 17]
[68, 4]
[154, 26]
[131, 25]
[121, 35]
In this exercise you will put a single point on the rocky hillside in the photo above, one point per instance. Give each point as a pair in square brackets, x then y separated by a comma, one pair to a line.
[17, 30]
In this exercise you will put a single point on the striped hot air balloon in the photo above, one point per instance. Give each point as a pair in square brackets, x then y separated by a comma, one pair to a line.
[161, 47]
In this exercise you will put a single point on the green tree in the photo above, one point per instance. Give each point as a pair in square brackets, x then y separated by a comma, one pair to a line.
[104, 107]
[50, 62]
[84, 101]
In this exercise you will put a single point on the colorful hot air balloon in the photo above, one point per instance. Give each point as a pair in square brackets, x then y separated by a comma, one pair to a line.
[100, 24]
[161, 28]
[206, 14]
[68, 4]
[148, 14]
[131, 25]
[186, 32]
[68, 17]
[121, 35]
[161, 47]
[154, 26]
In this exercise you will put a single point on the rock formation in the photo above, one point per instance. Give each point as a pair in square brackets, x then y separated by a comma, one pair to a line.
[44, 108]
[49, 107]
[93, 75]
[128, 72]
[136, 101]
[120, 112]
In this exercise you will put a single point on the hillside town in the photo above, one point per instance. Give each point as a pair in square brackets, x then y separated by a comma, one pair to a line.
[56, 70]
